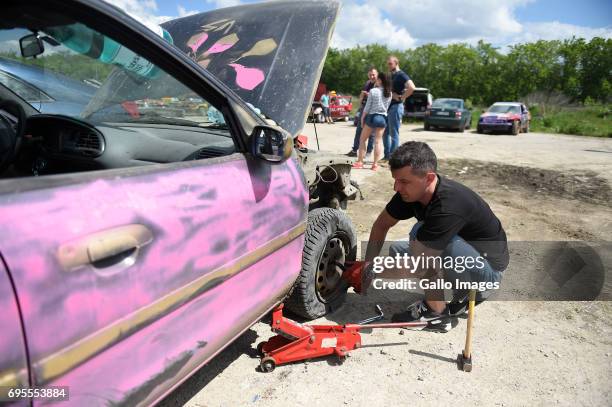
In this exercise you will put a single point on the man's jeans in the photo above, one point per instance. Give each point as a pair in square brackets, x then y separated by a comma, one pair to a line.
[391, 136]
[456, 248]
[358, 136]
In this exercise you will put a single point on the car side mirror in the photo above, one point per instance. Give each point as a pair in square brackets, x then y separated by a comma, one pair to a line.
[31, 45]
[271, 144]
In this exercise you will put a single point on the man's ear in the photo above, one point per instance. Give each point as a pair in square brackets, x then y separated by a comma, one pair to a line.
[431, 177]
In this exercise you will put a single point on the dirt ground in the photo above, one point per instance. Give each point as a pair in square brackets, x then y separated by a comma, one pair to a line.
[543, 188]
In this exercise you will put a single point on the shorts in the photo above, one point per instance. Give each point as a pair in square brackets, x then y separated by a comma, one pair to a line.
[326, 112]
[376, 121]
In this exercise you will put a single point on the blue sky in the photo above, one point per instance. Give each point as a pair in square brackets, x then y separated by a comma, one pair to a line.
[409, 23]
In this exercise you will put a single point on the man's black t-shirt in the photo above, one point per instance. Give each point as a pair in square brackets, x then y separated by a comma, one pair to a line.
[455, 209]
[398, 83]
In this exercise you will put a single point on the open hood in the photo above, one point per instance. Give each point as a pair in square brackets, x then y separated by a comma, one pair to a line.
[270, 54]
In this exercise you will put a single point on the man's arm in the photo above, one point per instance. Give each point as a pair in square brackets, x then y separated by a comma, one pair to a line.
[408, 90]
[381, 226]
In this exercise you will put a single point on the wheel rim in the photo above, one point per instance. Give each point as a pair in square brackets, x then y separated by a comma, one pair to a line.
[329, 274]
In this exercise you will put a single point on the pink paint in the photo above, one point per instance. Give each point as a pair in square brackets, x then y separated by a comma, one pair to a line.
[219, 47]
[198, 43]
[247, 78]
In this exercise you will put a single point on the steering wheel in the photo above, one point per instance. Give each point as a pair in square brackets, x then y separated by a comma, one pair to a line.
[11, 138]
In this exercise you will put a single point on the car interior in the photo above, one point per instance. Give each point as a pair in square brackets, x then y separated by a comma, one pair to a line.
[145, 120]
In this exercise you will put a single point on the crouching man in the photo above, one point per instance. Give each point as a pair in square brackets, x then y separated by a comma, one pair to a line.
[454, 225]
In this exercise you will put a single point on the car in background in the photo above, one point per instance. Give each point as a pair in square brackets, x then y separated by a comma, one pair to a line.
[340, 107]
[47, 91]
[417, 104]
[507, 117]
[448, 113]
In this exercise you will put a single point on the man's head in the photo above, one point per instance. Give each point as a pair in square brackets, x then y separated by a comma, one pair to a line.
[392, 63]
[413, 167]
[372, 74]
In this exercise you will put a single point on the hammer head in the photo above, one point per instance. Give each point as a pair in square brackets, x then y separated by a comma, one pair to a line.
[464, 363]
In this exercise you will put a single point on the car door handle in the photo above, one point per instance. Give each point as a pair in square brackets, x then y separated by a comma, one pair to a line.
[106, 248]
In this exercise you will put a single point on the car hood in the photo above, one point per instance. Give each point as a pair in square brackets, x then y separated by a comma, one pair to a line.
[270, 54]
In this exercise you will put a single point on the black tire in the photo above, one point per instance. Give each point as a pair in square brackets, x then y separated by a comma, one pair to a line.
[427, 127]
[461, 128]
[468, 123]
[479, 130]
[516, 128]
[526, 129]
[330, 239]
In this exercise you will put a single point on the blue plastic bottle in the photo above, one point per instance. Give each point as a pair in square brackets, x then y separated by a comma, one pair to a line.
[86, 41]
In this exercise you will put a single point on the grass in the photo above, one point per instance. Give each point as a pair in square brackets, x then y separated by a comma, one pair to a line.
[591, 121]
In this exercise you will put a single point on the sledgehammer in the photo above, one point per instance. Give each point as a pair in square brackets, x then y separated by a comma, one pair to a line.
[465, 358]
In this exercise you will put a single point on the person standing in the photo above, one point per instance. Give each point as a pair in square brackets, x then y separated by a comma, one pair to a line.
[402, 87]
[325, 105]
[363, 98]
[373, 119]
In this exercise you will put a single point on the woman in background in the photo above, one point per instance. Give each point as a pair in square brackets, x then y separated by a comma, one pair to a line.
[374, 118]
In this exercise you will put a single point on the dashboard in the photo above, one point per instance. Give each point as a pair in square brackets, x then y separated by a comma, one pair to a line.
[57, 144]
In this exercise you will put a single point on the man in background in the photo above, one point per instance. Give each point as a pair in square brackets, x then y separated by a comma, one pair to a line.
[402, 87]
[325, 105]
[363, 97]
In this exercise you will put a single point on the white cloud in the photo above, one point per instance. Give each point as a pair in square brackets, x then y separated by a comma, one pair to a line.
[403, 24]
[144, 11]
[365, 24]
[223, 3]
[453, 20]
[555, 30]
[182, 12]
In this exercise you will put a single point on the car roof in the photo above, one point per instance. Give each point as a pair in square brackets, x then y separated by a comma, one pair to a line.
[451, 99]
[507, 103]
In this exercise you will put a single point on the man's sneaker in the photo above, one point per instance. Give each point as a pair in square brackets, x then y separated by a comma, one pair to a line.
[420, 312]
[352, 153]
[460, 309]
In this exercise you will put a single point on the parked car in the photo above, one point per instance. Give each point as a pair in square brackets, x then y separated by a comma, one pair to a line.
[48, 91]
[340, 107]
[449, 114]
[417, 104]
[136, 245]
[508, 117]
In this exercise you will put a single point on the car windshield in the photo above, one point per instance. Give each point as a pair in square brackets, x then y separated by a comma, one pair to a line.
[446, 104]
[72, 76]
[504, 109]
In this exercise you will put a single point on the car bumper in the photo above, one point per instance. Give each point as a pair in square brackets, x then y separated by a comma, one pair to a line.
[450, 122]
[418, 115]
[495, 126]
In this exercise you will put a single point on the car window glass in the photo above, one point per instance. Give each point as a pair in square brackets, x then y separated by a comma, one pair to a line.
[22, 89]
[144, 114]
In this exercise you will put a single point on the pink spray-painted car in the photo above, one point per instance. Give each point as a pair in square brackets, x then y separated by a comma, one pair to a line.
[135, 245]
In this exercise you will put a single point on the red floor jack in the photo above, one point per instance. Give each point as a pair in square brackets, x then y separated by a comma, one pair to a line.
[295, 341]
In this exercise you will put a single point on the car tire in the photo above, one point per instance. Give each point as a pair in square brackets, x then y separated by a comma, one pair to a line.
[516, 128]
[526, 129]
[461, 128]
[427, 127]
[330, 239]
[479, 130]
